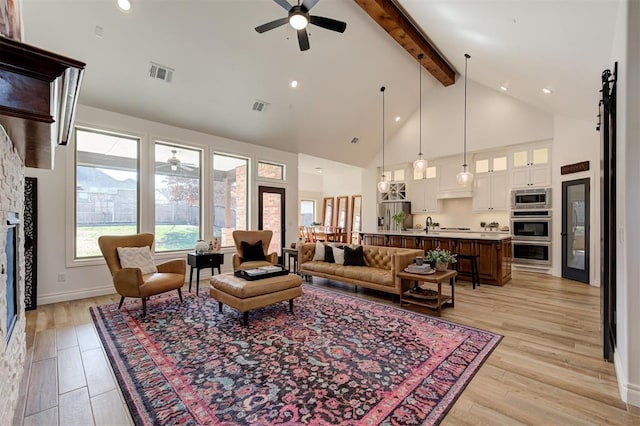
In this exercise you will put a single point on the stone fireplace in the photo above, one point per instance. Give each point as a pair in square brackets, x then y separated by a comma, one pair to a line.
[12, 336]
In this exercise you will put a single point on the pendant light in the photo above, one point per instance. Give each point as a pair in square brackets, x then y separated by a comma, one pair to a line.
[383, 185]
[420, 165]
[465, 177]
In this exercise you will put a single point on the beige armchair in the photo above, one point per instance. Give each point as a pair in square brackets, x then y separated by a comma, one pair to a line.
[252, 237]
[129, 282]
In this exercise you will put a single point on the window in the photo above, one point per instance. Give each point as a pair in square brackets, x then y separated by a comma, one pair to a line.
[307, 212]
[106, 182]
[270, 170]
[230, 190]
[177, 197]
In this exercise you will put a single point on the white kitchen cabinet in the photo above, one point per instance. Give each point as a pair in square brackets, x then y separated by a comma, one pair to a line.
[531, 167]
[423, 194]
[491, 191]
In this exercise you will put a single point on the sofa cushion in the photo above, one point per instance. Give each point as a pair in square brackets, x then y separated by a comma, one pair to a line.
[319, 253]
[354, 257]
[338, 255]
[328, 254]
[252, 252]
[368, 274]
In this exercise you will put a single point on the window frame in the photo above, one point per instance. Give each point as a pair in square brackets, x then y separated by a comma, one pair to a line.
[271, 163]
[249, 202]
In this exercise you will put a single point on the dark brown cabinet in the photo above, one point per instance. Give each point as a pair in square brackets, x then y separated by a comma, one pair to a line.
[494, 256]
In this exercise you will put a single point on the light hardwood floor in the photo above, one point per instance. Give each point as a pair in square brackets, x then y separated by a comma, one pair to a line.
[548, 369]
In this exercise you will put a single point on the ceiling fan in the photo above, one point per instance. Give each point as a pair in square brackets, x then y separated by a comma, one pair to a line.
[175, 164]
[299, 19]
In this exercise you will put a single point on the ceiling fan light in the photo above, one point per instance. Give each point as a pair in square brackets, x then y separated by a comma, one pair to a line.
[420, 165]
[383, 185]
[464, 178]
[298, 21]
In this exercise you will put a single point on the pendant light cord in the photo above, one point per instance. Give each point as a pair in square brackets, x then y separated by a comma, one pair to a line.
[382, 89]
[420, 56]
[466, 58]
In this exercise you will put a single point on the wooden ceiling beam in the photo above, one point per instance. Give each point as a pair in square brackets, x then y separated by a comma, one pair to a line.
[406, 32]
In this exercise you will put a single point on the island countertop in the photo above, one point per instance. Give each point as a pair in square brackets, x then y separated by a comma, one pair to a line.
[491, 235]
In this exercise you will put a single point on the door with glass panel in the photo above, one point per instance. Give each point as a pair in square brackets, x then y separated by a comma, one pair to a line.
[575, 230]
[271, 204]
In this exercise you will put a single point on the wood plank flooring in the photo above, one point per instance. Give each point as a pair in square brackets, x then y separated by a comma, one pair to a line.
[548, 369]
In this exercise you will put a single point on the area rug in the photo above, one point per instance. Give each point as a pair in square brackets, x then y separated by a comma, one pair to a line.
[336, 360]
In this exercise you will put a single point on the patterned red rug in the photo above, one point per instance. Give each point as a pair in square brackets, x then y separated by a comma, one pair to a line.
[336, 360]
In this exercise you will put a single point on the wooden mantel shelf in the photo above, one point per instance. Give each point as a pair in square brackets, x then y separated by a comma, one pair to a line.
[38, 95]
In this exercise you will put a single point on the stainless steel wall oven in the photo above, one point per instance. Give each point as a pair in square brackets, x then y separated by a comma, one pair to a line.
[531, 237]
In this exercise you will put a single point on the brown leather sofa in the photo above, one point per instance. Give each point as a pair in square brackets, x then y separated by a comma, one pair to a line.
[380, 273]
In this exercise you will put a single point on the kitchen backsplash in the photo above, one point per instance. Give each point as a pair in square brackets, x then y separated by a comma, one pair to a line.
[456, 212]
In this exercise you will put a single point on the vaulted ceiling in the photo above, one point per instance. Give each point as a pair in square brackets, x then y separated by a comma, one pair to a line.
[222, 65]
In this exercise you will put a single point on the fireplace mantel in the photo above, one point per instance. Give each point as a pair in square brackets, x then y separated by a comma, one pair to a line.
[38, 96]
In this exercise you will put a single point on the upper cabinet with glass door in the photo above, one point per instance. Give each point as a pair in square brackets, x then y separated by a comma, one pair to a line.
[397, 185]
[423, 191]
[491, 183]
[531, 166]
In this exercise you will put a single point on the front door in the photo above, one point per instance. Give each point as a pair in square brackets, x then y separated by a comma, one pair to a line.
[575, 230]
[271, 206]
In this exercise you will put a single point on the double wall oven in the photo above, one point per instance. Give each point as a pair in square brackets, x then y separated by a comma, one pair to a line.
[531, 227]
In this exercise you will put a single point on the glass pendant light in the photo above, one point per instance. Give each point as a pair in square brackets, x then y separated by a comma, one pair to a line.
[420, 165]
[383, 185]
[465, 178]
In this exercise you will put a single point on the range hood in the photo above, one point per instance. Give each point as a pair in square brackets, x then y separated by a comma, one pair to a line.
[445, 195]
[38, 95]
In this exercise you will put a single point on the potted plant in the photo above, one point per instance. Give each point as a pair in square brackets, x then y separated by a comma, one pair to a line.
[441, 258]
[493, 225]
[483, 225]
[398, 218]
[435, 225]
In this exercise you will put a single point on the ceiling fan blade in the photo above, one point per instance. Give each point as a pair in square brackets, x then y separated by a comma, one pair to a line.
[308, 4]
[284, 3]
[303, 40]
[328, 23]
[271, 25]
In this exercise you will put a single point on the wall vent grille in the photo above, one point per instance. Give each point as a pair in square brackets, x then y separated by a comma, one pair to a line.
[161, 72]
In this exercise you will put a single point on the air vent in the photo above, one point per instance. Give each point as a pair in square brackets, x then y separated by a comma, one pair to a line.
[355, 140]
[259, 105]
[161, 72]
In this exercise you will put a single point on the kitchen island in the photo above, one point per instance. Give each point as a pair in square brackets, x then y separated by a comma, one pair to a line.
[492, 248]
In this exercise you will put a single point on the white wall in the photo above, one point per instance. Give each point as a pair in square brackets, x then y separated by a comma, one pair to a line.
[626, 50]
[55, 200]
[575, 141]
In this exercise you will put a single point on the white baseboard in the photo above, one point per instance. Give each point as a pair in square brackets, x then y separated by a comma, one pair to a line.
[619, 369]
[65, 296]
[633, 395]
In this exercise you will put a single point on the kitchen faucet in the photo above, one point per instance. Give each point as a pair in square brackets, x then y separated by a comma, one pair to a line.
[428, 224]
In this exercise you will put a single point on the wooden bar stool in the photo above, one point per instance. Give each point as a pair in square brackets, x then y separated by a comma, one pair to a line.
[474, 274]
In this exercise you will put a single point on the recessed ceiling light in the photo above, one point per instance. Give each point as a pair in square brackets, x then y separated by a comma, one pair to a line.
[124, 5]
[397, 119]
[294, 83]
[504, 88]
[546, 91]
[318, 169]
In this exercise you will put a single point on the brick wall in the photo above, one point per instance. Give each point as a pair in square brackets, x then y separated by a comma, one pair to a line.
[12, 353]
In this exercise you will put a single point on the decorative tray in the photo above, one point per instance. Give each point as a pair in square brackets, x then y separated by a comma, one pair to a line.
[427, 294]
[257, 274]
[429, 272]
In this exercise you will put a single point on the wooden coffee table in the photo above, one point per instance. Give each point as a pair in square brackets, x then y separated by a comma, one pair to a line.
[432, 300]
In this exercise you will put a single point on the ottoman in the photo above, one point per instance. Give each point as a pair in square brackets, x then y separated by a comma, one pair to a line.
[245, 295]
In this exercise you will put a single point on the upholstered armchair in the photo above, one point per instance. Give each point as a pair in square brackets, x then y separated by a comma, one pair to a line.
[131, 281]
[242, 260]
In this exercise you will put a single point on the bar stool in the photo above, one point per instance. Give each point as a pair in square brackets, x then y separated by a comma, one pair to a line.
[474, 274]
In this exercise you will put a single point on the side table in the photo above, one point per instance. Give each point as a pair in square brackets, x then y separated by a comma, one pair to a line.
[291, 253]
[420, 280]
[198, 261]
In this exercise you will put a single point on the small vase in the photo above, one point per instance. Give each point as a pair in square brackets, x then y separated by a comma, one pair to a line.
[441, 266]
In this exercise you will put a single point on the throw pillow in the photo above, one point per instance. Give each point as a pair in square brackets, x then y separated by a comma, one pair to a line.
[328, 254]
[338, 255]
[354, 257]
[252, 251]
[137, 257]
[319, 254]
